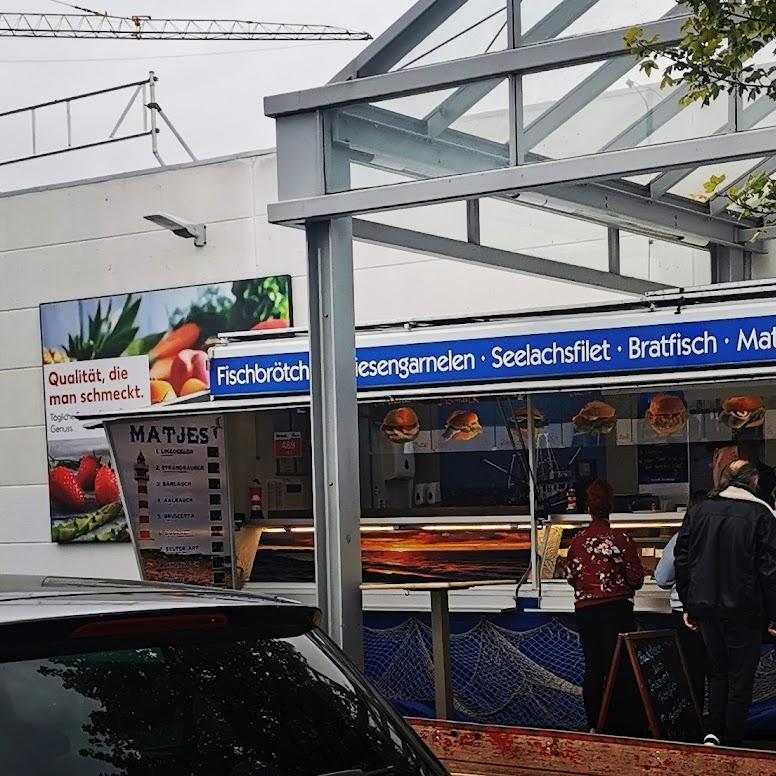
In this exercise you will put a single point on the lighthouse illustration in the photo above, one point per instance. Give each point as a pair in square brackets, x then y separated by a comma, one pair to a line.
[141, 480]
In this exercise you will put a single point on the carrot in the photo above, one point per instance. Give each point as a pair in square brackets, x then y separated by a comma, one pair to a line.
[174, 341]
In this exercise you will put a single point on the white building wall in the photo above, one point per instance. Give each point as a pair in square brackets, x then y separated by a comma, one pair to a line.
[90, 239]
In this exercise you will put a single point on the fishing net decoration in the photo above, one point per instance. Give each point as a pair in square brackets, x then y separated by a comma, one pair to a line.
[497, 676]
[528, 678]
[765, 679]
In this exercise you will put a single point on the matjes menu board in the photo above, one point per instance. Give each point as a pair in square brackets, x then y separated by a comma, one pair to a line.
[174, 483]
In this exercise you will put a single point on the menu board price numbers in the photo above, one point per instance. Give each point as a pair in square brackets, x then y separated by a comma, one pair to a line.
[288, 444]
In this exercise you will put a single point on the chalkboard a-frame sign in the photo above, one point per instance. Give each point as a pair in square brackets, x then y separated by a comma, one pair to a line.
[658, 666]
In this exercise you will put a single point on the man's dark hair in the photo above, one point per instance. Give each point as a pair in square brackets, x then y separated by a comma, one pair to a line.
[739, 474]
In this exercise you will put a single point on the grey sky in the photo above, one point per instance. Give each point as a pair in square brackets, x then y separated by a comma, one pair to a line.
[211, 90]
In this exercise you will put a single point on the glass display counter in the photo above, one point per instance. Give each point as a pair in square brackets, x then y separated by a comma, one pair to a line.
[459, 488]
[650, 533]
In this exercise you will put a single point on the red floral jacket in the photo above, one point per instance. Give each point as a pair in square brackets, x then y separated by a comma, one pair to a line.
[603, 565]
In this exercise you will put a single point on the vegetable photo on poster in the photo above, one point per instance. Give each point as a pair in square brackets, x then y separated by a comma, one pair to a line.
[127, 352]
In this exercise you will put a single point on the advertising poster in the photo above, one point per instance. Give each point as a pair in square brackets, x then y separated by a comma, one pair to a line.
[173, 476]
[403, 555]
[128, 352]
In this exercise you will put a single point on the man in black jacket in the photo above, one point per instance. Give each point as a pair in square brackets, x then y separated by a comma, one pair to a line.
[725, 560]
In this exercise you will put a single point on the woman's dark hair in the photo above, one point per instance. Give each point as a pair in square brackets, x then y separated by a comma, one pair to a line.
[739, 474]
[600, 498]
[696, 497]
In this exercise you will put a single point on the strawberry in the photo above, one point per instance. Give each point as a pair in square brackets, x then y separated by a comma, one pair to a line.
[65, 490]
[106, 487]
[87, 469]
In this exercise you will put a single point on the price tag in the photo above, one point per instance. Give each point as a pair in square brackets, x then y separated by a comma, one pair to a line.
[288, 444]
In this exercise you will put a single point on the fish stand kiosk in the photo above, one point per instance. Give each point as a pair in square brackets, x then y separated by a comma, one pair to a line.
[478, 439]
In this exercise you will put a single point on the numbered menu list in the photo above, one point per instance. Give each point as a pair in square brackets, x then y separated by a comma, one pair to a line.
[174, 479]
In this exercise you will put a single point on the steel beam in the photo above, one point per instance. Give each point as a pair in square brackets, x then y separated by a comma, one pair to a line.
[334, 421]
[466, 97]
[457, 104]
[300, 154]
[579, 96]
[614, 164]
[670, 106]
[650, 122]
[391, 141]
[408, 31]
[381, 134]
[720, 203]
[761, 233]
[446, 248]
[749, 118]
[582, 94]
[547, 55]
[556, 20]
[624, 204]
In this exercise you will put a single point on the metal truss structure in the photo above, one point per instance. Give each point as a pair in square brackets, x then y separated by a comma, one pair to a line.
[99, 25]
[364, 120]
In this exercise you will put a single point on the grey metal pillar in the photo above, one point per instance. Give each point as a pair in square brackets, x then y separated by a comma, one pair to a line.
[473, 221]
[729, 264]
[613, 247]
[334, 418]
[536, 577]
[516, 120]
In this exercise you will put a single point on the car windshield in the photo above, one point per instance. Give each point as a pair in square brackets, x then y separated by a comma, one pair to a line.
[247, 707]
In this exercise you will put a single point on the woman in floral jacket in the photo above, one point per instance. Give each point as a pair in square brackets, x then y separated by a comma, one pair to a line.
[605, 571]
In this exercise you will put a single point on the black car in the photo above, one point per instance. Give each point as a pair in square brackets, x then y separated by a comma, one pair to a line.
[101, 677]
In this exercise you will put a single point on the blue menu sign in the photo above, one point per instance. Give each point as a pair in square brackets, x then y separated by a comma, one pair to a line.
[659, 347]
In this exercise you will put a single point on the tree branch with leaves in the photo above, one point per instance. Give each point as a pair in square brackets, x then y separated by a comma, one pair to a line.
[726, 48]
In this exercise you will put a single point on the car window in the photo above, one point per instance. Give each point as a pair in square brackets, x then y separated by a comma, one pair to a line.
[248, 707]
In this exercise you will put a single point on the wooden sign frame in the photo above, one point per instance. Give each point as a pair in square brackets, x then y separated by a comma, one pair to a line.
[625, 642]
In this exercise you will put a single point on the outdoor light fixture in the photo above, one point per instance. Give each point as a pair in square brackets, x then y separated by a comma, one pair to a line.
[197, 232]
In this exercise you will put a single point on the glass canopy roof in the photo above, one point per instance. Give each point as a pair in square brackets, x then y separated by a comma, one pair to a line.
[459, 87]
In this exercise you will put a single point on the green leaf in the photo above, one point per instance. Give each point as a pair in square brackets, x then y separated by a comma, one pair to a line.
[113, 341]
[711, 185]
[141, 346]
[632, 36]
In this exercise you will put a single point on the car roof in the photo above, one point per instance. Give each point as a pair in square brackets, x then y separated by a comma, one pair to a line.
[24, 598]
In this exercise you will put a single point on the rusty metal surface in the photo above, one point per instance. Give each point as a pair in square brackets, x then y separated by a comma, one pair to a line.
[484, 750]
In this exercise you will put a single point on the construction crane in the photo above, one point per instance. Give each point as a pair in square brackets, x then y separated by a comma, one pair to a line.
[102, 25]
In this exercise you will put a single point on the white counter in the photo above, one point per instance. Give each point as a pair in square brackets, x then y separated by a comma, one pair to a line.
[557, 596]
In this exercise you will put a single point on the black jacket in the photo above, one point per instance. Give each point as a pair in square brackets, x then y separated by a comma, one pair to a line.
[725, 559]
[766, 483]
